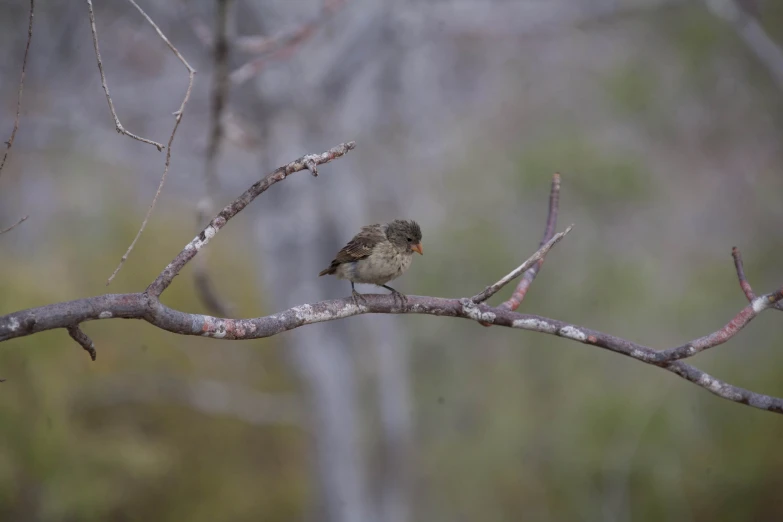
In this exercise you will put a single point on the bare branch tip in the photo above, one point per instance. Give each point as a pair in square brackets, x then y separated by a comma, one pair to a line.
[84, 341]
[3, 231]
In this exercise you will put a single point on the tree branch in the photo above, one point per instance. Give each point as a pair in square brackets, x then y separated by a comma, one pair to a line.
[147, 307]
[529, 276]
[279, 46]
[177, 120]
[746, 288]
[7, 229]
[308, 162]
[85, 342]
[117, 125]
[10, 141]
[528, 264]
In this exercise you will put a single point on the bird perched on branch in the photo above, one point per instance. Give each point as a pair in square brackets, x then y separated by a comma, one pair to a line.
[377, 254]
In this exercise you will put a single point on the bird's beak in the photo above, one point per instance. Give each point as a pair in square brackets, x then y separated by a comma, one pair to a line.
[418, 248]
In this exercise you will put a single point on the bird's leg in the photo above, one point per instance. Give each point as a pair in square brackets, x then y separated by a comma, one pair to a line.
[356, 295]
[395, 293]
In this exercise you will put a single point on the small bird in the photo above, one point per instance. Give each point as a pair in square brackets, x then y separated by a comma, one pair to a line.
[377, 254]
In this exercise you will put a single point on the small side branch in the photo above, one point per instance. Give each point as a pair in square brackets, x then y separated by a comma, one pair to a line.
[529, 276]
[117, 124]
[732, 328]
[279, 46]
[85, 342]
[177, 120]
[746, 288]
[309, 162]
[10, 141]
[530, 262]
[3, 231]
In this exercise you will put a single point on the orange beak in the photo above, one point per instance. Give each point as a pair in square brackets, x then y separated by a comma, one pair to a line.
[418, 248]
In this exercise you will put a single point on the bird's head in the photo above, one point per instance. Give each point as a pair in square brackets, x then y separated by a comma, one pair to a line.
[405, 235]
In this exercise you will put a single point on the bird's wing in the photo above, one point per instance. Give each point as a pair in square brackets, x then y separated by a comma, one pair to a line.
[361, 246]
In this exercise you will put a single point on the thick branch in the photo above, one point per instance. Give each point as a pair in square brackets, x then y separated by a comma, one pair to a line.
[149, 309]
[309, 162]
[147, 306]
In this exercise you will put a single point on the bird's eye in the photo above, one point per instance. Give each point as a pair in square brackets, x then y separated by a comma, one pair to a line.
[410, 239]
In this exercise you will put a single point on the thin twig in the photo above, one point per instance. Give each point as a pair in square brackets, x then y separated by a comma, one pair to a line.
[85, 342]
[744, 284]
[14, 225]
[10, 141]
[746, 289]
[177, 120]
[117, 124]
[279, 46]
[532, 260]
[529, 276]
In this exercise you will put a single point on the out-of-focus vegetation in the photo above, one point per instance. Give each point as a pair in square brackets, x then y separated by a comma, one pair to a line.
[509, 425]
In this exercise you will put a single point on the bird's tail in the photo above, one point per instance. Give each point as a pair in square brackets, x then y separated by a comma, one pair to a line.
[328, 271]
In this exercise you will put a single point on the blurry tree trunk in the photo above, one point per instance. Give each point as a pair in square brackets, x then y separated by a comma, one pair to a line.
[290, 234]
[299, 231]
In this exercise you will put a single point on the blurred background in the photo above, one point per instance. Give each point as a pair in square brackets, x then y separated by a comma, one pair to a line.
[664, 118]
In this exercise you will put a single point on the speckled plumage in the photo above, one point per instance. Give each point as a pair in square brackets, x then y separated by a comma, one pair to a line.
[377, 254]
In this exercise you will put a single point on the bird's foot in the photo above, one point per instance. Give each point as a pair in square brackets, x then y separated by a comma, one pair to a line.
[356, 297]
[395, 294]
[403, 298]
